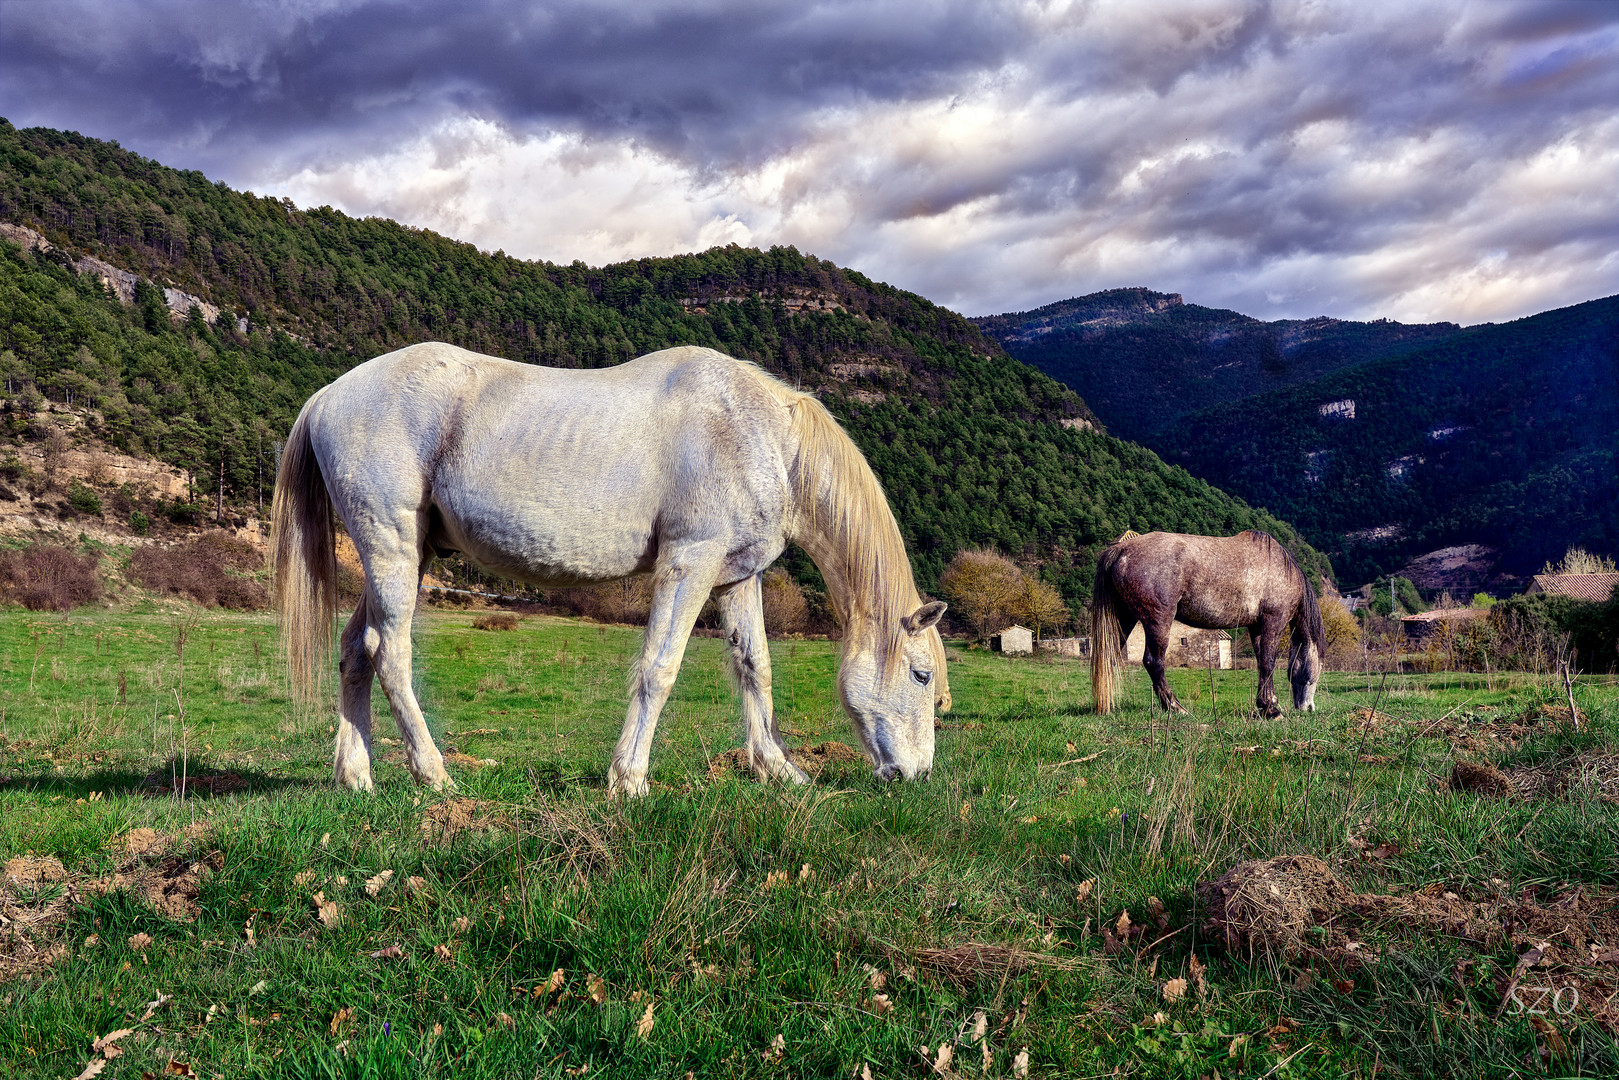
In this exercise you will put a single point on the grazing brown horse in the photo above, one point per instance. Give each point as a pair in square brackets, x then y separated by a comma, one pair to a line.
[1211, 582]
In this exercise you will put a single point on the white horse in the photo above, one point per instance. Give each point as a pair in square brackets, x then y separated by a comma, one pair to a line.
[684, 464]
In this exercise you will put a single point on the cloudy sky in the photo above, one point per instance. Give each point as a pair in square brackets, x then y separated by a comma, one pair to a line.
[1419, 159]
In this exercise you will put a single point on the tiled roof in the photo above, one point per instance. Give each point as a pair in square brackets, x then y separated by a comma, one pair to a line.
[1439, 614]
[1580, 586]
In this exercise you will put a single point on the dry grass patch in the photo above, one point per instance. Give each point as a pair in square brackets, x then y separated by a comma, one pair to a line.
[1590, 773]
[442, 821]
[497, 620]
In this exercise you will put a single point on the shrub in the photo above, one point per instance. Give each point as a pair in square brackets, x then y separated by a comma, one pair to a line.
[48, 577]
[210, 569]
[139, 523]
[980, 586]
[83, 498]
[786, 611]
[1342, 631]
[497, 620]
[184, 513]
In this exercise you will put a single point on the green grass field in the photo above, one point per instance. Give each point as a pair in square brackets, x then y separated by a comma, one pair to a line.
[532, 927]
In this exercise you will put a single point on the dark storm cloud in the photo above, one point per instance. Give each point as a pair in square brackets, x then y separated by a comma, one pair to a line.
[709, 82]
[1432, 159]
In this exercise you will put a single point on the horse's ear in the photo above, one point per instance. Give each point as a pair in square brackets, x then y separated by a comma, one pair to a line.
[924, 617]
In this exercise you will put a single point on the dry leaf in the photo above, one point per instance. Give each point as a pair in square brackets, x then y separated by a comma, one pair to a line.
[878, 979]
[154, 1005]
[1195, 966]
[941, 1061]
[1020, 1064]
[107, 1046]
[1083, 893]
[881, 1003]
[247, 930]
[1124, 923]
[140, 942]
[1071, 748]
[259, 987]
[1155, 907]
[325, 838]
[178, 1068]
[578, 1070]
[643, 1026]
[966, 810]
[865, 1072]
[303, 877]
[92, 1069]
[778, 1047]
[416, 884]
[341, 879]
[442, 951]
[374, 885]
[553, 984]
[804, 872]
[438, 1029]
[461, 925]
[980, 1025]
[505, 1021]
[340, 1018]
[775, 878]
[1065, 858]
[330, 913]
[1174, 990]
[596, 987]
[392, 952]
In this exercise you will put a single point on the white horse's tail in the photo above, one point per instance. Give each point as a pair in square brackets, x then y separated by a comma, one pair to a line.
[303, 548]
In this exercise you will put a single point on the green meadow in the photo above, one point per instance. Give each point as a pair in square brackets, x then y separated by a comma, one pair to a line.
[182, 874]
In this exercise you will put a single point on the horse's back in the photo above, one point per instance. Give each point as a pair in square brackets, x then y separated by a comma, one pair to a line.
[1213, 582]
[553, 474]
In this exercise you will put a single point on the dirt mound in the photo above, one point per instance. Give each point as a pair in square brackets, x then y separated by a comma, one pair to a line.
[1268, 905]
[38, 893]
[1547, 713]
[1294, 906]
[1595, 774]
[444, 820]
[812, 759]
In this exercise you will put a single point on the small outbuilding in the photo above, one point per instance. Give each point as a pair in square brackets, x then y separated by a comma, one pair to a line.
[1595, 587]
[1426, 624]
[1189, 646]
[1015, 640]
[1073, 648]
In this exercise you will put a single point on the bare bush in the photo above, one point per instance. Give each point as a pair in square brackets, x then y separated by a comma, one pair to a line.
[786, 610]
[210, 570]
[1343, 634]
[48, 577]
[496, 620]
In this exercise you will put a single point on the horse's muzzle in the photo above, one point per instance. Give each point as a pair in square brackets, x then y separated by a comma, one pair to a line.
[885, 772]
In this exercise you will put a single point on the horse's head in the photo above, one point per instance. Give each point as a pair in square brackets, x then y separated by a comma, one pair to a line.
[892, 705]
[1304, 672]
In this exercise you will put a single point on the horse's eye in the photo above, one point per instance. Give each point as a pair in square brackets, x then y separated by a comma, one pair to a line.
[922, 677]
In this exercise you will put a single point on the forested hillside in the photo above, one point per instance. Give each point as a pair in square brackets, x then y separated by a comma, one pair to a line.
[1502, 435]
[972, 446]
[1145, 359]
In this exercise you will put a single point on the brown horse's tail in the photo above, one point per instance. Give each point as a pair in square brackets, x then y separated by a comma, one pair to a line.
[1106, 653]
[303, 550]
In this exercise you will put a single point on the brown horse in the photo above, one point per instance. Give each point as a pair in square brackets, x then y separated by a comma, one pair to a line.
[1211, 582]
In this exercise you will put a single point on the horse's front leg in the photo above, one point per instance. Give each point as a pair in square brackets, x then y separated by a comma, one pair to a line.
[680, 585]
[742, 617]
[1266, 634]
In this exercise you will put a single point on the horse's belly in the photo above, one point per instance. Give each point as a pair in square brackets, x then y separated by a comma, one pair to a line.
[553, 546]
[1206, 614]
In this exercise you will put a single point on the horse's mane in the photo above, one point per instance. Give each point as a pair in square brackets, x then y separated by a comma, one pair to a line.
[839, 498]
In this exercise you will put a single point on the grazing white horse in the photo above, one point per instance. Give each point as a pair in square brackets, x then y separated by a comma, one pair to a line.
[684, 464]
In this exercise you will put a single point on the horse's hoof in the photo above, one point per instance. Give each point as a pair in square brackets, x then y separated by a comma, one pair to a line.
[626, 784]
[357, 781]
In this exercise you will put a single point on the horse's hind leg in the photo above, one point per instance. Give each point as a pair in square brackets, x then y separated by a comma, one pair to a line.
[680, 585]
[1152, 658]
[742, 617]
[351, 758]
[1266, 634]
[390, 603]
